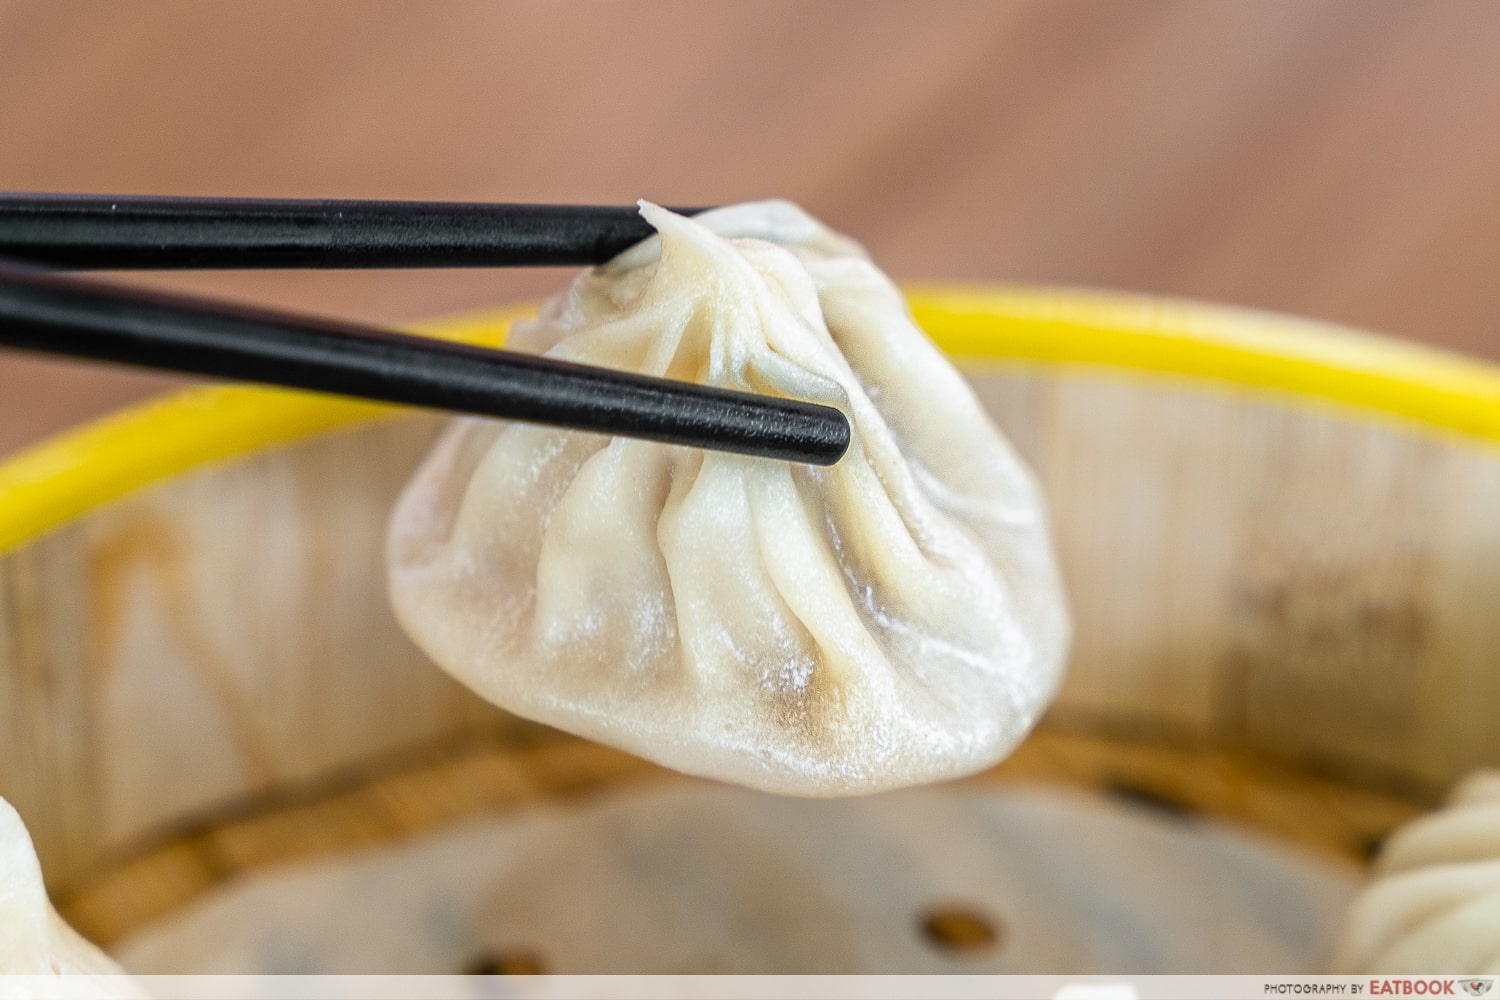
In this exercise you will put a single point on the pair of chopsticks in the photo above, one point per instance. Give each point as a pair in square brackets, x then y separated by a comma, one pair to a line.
[42, 310]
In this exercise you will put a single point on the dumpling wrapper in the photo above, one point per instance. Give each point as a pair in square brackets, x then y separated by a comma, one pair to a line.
[894, 619]
[35, 944]
[1434, 905]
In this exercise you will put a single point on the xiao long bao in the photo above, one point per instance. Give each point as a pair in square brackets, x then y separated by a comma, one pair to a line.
[894, 619]
[35, 944]
[1434, 904]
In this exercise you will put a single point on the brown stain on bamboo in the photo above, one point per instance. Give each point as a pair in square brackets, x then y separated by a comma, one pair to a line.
[146, 546]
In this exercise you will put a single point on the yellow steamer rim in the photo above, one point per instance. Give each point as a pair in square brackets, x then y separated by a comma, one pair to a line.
[61, 479]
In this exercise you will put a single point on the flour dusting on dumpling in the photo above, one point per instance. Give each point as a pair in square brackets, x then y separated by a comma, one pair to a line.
[893, 619]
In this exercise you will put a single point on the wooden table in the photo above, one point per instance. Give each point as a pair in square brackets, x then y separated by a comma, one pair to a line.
[1335, 159]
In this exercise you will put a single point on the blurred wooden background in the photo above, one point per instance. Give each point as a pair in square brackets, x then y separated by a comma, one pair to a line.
[1335, 159]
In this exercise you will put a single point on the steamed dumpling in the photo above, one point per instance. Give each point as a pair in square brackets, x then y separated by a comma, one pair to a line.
[1434, 906]
[34, 941]
[894, 619]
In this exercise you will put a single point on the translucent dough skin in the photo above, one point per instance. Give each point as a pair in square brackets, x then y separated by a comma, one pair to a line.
[891, 620]
[34, 941]
[1434, 906]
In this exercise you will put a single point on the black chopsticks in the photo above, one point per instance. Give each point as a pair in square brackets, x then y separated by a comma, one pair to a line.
[66, 316]
[105, 232]
[77, 318]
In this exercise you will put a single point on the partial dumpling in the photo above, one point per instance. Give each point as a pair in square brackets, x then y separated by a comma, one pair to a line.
[894, 619]
[34, 941]
[1434, 906]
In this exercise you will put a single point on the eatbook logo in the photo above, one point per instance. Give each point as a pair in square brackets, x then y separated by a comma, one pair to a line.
[1477, 987]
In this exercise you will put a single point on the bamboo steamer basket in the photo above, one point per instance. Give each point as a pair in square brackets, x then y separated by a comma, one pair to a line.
[1280, 540]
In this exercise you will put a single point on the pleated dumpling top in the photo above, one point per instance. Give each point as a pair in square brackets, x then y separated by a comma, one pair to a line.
[1434, 904]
